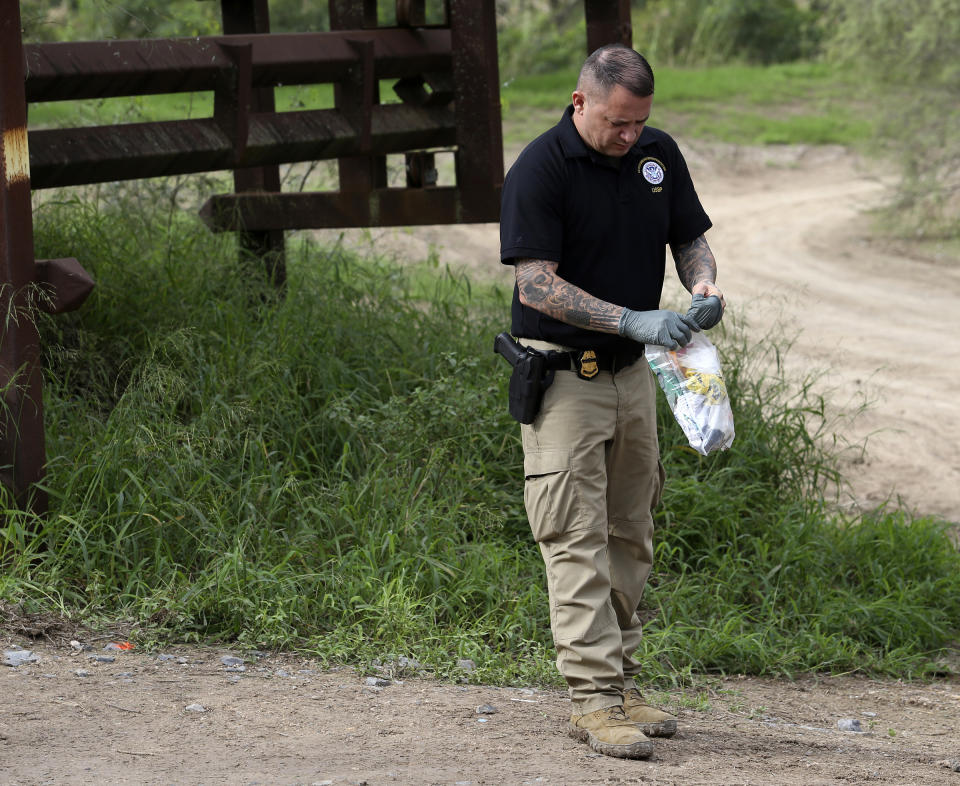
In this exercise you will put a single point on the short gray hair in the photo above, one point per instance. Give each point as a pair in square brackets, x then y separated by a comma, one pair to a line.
[616, 64]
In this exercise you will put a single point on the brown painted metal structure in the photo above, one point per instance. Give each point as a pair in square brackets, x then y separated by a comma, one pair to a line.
[27, 285]
[445, 75]
[251, 16]
[608, 22]
[22, 452]
[236, 137]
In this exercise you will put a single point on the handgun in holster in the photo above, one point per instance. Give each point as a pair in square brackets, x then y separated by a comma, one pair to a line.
[529, 380]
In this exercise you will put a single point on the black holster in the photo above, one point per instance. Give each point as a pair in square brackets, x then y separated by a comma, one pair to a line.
[529, 380]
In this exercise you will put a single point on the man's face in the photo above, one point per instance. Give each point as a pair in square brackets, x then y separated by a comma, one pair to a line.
[612, 123]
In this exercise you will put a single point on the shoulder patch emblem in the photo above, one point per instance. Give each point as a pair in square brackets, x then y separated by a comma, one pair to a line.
[652, 170]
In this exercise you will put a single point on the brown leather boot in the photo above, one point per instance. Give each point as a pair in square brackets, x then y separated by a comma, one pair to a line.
[653, 722]
[610, 732]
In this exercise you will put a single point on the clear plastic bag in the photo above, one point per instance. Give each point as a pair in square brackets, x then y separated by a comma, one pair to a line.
[692, 380]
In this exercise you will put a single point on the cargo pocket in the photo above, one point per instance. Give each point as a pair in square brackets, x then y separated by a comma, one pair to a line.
[550, 494]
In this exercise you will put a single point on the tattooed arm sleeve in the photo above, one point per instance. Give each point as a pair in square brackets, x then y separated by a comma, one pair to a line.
[696, 267]
[542, 289]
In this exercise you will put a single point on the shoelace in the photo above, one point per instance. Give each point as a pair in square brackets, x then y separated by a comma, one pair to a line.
[616, 713]
[637, 696]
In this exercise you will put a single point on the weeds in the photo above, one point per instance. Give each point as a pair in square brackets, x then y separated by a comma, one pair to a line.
[336, 472]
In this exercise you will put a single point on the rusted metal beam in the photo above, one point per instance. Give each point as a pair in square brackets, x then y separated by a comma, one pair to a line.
[608, 22]
[22, 451]
[234, 97]
[236, 103]
[356, 95]
[380, 207]
[98, 69]
[74, 156]
[98, 154]
[479, 157]
[411, 13]
[368, 93]
[64, 285]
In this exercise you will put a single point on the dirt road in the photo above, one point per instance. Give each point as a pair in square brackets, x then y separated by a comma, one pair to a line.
[879, 321]
[794, 250]
[186, 718]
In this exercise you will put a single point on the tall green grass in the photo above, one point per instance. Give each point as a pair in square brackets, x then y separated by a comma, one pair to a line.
[335, 471]
[794, 103]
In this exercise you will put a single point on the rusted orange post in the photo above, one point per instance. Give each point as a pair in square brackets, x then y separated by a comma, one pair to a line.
[356, 96]
[22, 452]
[253, 16]
[608, 22]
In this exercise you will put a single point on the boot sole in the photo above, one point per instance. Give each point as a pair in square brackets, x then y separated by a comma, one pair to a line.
[636, 750]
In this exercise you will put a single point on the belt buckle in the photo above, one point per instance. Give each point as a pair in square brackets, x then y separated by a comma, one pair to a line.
[587, 365]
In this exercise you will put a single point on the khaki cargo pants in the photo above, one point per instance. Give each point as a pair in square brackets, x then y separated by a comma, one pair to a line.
[593, 475]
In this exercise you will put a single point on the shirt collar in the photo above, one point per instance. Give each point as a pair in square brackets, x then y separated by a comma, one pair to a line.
[571, 142]
[573, 145]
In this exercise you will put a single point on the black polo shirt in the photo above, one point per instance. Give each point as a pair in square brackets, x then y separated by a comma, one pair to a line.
[606, 226]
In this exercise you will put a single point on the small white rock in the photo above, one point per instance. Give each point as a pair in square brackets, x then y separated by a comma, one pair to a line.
[195, 708]
[17, 657]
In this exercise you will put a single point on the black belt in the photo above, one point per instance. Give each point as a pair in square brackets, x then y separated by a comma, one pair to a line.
[587, 363]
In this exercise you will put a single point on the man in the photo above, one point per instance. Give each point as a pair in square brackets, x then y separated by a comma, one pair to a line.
[588, 210]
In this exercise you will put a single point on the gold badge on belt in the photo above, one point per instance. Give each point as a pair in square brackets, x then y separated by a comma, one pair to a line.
[587, 367]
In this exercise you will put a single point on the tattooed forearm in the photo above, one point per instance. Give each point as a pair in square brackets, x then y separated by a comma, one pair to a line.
[542, 289]
[695, 262]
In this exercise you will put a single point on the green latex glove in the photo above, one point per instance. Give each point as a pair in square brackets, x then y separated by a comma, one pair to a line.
[666, 328]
